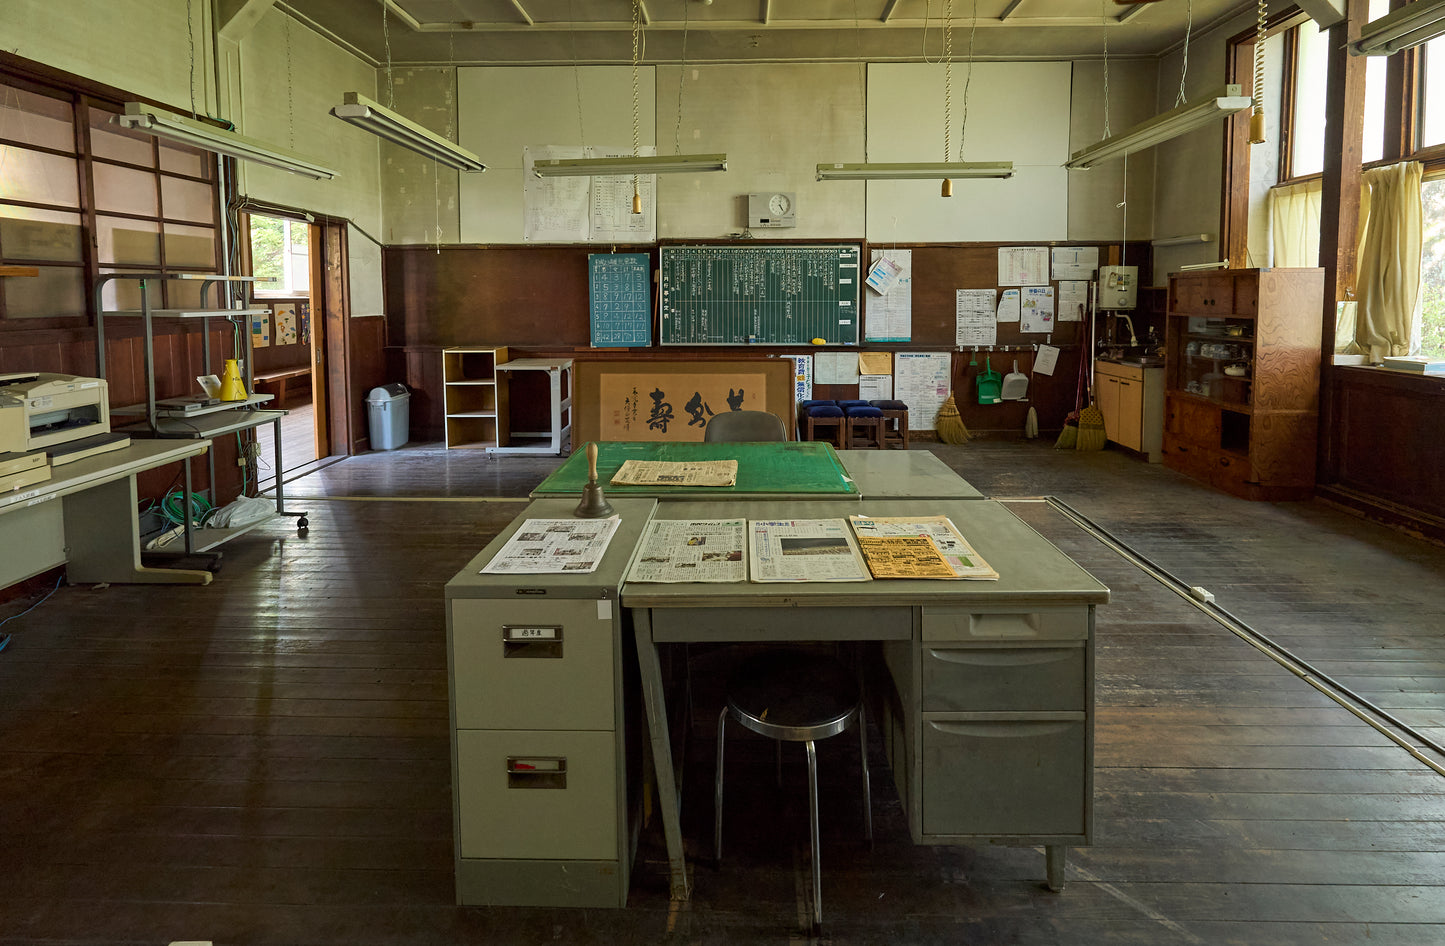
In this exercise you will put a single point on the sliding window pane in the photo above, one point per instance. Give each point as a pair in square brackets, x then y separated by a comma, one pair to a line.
[128, 242]
[180, 159]
[192, 247]
[186, 294]
[1374, 144]
[123, 190]
[1432, 93]
[118, 143]
[30, 234]
[37, 177]
[57, 291]
[36, 119]
[187, 200]
[1307, 144]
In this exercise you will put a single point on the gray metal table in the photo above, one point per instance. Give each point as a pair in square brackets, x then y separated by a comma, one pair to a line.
[904, 474]
[991, 719]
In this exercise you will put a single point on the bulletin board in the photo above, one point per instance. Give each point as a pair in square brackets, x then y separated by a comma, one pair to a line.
[672, 401]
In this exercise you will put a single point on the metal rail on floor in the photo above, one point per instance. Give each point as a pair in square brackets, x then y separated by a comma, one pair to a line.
[1396, 730]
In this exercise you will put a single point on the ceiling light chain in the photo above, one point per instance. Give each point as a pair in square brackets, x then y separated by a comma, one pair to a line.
[636, 151]
[290, 85]
[1184, 68]
[947, 78]
[386, 40]
[1256, 119]
[1105, 5]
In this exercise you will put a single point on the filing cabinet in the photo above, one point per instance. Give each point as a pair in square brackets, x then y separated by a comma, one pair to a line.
[541, 753]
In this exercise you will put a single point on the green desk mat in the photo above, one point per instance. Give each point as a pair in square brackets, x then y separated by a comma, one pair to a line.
[791, 467]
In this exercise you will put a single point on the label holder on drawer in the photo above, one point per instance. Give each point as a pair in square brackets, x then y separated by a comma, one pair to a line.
[536, 772]
[532, 640]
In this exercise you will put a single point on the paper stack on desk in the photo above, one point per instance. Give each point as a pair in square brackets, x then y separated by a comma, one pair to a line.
[676, 473]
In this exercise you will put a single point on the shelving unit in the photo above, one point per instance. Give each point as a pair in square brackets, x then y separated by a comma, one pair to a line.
[475, 399]
[1242, 379]
[203, 423]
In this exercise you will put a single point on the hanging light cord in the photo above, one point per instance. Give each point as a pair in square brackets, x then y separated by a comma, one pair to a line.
[1256, 124]
[636, 45]
[386, 41]
[947, 79]
[1184, 69]
[1107, 131]
[967, 78]
[191, 39]
[681, 73]
[290, 85]
[576, 73]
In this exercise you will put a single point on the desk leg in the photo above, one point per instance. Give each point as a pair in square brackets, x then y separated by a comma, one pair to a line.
[656, 709]
[102, 537]
[1056, 861]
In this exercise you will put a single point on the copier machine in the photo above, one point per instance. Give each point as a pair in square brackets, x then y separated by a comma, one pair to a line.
[65, 416]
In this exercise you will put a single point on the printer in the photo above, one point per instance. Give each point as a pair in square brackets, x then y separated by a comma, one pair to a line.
[44, 411]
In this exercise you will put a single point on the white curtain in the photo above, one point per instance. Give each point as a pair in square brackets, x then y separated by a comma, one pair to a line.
[1295, 223]
[1387, 281]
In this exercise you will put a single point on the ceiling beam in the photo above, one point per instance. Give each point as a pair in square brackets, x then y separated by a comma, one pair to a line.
[239, 17]
[725, 26]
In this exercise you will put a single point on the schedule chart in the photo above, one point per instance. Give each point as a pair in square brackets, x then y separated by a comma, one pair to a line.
[620, 299]
[741, 295]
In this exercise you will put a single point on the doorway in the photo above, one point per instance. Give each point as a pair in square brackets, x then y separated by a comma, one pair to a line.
[284, 342]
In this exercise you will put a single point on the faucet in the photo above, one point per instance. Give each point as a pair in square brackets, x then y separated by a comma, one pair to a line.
[1133, 339]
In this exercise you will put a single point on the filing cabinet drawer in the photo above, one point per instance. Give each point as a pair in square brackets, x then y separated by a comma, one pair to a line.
[537, 795]
[967, 624]
[1004, 778]
[962, 678]
[524, 665]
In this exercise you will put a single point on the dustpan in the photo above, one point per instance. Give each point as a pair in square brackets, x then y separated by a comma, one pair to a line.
[1015, 384]
[988, 384]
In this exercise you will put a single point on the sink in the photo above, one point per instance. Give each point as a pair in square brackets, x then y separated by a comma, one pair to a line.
[1137, 361]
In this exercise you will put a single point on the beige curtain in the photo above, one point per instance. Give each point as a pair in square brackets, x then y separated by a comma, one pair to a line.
[1294, 212]
[1387, 282]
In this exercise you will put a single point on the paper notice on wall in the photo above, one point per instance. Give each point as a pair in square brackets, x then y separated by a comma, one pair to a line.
[835, 367]
[883, 275]
[1008, 306]
[875, 362]
[1023, 265]
[1074, 262]
[976, 321]
[1046, 360]
[260, 330]
[585, 209]
[875, 387]
[802, 377]
[890, 316]
[1037, 309]
[1073, 299]
[922, 381]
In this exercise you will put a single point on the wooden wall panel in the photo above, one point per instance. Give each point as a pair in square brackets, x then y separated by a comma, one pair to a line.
[1390, 439]
[366, 361]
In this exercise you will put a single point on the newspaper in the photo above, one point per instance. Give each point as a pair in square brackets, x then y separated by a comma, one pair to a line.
[676, 473]
[692, 550]
[966, 563]
[904, 556]
[545, 546]
[805, 550]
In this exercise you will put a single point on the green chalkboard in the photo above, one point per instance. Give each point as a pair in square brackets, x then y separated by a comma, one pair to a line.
[785, 294]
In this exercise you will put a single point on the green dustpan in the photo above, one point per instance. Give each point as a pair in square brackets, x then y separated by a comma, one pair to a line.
[989, 384]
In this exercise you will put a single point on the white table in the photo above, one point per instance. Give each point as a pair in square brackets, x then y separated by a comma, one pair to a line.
[558, 370]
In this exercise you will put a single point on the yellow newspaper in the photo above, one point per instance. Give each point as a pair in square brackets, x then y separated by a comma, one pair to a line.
[960, 556]
[904, 556]
[676, 473]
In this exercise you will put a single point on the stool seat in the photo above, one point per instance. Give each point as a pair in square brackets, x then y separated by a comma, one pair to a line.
[793, 696]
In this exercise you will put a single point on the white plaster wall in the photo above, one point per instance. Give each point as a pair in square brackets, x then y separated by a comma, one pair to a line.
[419, 196]
[288, 100]
[1095, 194]
[1189, 171]
[1264, 158]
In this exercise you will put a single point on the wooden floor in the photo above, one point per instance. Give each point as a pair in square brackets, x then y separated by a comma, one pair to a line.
[265, 760]
[298, 444]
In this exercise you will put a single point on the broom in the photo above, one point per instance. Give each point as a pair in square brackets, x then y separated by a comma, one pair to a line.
[949, 425]
[1091, 429]
[1031, 422]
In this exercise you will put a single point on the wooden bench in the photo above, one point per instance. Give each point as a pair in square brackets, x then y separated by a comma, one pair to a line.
[275, 383]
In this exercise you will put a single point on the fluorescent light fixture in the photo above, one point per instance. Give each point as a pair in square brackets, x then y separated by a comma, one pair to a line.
[608, 167]
[362, 112]
[914, 171]
[1410, 25]
[1161, 128]
[1187, 240]
[164, 124]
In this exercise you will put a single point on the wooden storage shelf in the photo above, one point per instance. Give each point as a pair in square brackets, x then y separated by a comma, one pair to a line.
[1252, 435]
[474, 399]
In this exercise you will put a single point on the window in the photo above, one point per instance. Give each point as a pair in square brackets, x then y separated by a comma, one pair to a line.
[154, 209]
[1428, 334]
[280, 252]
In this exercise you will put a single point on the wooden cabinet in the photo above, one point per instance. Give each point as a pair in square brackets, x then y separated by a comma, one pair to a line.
[1242, 379]
[1131, 399]
[475, 404]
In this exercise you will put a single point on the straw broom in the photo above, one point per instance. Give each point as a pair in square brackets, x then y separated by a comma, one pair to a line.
[949, 425]
[1091, 429]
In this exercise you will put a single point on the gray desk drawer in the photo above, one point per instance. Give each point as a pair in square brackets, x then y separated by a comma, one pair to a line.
[537, 795]
[982, 679]
[1000, 778]
[532, 665]
[962, 624]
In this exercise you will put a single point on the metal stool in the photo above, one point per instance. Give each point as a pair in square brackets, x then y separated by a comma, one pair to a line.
[792, 696]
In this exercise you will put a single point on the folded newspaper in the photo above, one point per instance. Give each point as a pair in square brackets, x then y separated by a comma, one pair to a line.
[676, 473]
[960, 556]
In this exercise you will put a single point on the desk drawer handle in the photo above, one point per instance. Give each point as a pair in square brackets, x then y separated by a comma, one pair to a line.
[1002, 658]
[532, 640]
[536, 772]
[1005, 625]
[1005, 730]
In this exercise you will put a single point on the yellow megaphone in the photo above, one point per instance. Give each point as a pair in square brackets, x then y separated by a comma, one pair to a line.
[232, 388]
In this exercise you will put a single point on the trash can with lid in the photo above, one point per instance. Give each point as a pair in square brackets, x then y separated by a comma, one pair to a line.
[388, 417]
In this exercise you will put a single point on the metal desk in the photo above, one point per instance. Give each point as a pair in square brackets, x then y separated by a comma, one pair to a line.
[990, 718]
[787, 470]
[904, 474]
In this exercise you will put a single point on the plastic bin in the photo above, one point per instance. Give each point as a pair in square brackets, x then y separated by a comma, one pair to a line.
[388, 416]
